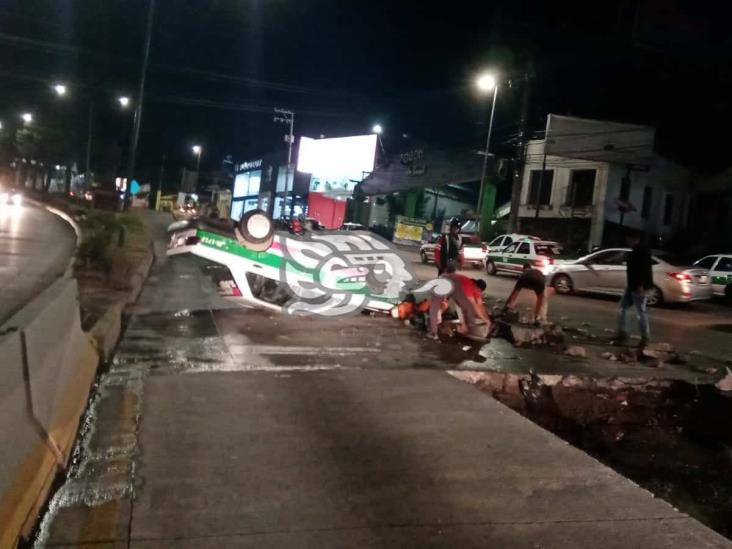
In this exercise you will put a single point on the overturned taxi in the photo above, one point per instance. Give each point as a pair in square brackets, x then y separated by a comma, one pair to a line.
[296, 271]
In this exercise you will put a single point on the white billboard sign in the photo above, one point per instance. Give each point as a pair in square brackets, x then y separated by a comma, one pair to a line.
[335, 164]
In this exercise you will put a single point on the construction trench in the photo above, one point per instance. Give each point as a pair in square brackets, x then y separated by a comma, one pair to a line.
[671, 436]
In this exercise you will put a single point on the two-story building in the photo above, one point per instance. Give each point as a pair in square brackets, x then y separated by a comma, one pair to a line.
[589, 178]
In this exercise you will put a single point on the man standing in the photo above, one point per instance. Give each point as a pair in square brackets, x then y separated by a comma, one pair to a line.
[468, 296]
[449, 249]
[639, 280]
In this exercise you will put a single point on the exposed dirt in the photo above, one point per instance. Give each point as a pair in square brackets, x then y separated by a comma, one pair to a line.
[672, 438]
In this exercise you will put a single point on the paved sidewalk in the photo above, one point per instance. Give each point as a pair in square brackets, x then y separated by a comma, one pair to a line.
[374, 459]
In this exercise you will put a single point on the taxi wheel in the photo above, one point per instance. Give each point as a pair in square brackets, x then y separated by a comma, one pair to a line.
[728, 292]
[490, 268]
[654, 297]
[563, 284]
[255, 230]
[423, 256]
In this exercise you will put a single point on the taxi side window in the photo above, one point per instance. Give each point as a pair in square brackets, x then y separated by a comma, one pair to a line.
[708, 262]
[511, 249]
[725, 265]
[496, 242]
[524, 248]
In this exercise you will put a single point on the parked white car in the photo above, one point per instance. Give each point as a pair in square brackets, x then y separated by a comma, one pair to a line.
[604, 272]
[539, 254]
[720, 269]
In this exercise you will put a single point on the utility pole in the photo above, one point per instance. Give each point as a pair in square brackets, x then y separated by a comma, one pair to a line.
[287, 117]
[518, 171]
[160, 183]
[90, 129]
[541, 179]
[138, 106]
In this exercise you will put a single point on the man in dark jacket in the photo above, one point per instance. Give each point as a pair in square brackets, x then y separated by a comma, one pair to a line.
[639, 280]
[449, 249]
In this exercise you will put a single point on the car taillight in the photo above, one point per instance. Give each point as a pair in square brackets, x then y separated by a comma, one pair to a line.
[191, 240]
[681, 277]
[235, 291]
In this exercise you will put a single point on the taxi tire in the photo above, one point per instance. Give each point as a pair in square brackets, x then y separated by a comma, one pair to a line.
[490, 268]
[423, 256]
[247, 239]
[728, 292]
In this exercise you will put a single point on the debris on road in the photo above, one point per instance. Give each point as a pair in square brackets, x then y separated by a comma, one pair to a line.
[725, 384]
[576, 350]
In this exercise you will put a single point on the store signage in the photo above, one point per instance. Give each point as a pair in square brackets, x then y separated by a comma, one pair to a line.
[244, 166]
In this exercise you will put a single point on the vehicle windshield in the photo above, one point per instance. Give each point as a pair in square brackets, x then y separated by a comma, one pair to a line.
[470, 226]
[549, 250]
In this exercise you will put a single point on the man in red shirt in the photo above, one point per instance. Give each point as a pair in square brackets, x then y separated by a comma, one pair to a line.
[468, 295]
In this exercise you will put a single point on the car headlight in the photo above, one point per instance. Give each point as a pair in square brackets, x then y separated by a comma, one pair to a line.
[17, 199]
[4, 198]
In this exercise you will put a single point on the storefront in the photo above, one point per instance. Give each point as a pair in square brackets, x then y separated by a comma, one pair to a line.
[327, 172]
[262, 184]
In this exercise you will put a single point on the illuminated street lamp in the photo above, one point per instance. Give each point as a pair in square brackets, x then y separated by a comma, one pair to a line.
[197, 151]
[123, 101]
[377, 129]
[486, 83]
[60, 89]
[27, 117]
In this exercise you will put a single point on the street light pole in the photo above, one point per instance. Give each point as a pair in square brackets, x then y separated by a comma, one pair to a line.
[89, 132]
[288, 117]
[487, 150]
[138, 107]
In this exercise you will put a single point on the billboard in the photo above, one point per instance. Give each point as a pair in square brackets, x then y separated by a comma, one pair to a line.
[337, 164]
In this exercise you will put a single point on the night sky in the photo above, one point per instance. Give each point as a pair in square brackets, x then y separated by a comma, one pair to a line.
[217, 68]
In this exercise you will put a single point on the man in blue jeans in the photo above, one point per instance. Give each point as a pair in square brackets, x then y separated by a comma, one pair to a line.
[639, 280]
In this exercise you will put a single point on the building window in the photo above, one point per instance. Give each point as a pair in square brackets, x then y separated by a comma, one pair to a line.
[647, 201]
[581, 188]
[668, 210]
[625, 188]
[540, 190]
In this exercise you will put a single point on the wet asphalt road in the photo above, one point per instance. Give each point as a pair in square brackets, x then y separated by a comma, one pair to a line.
[704, 326]
[35, 248]
[217, 426]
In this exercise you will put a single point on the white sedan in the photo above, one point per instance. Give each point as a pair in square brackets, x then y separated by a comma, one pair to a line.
[604, 272]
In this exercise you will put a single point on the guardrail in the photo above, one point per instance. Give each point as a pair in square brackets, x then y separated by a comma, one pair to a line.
[47, 367]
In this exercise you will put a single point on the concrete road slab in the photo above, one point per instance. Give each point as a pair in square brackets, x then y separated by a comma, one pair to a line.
[661, 534]
[259, 454]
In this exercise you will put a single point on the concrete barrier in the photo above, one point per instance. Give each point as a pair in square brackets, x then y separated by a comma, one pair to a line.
[47, 367]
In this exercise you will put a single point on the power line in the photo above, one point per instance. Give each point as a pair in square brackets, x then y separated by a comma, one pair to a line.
[243, 107]
[54, 47]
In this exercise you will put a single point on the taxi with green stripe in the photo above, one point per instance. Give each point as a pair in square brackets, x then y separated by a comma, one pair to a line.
[720, 271]
[512, 259]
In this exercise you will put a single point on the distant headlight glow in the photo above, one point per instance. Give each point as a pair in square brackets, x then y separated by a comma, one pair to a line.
[4, 198]
[17, 199]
